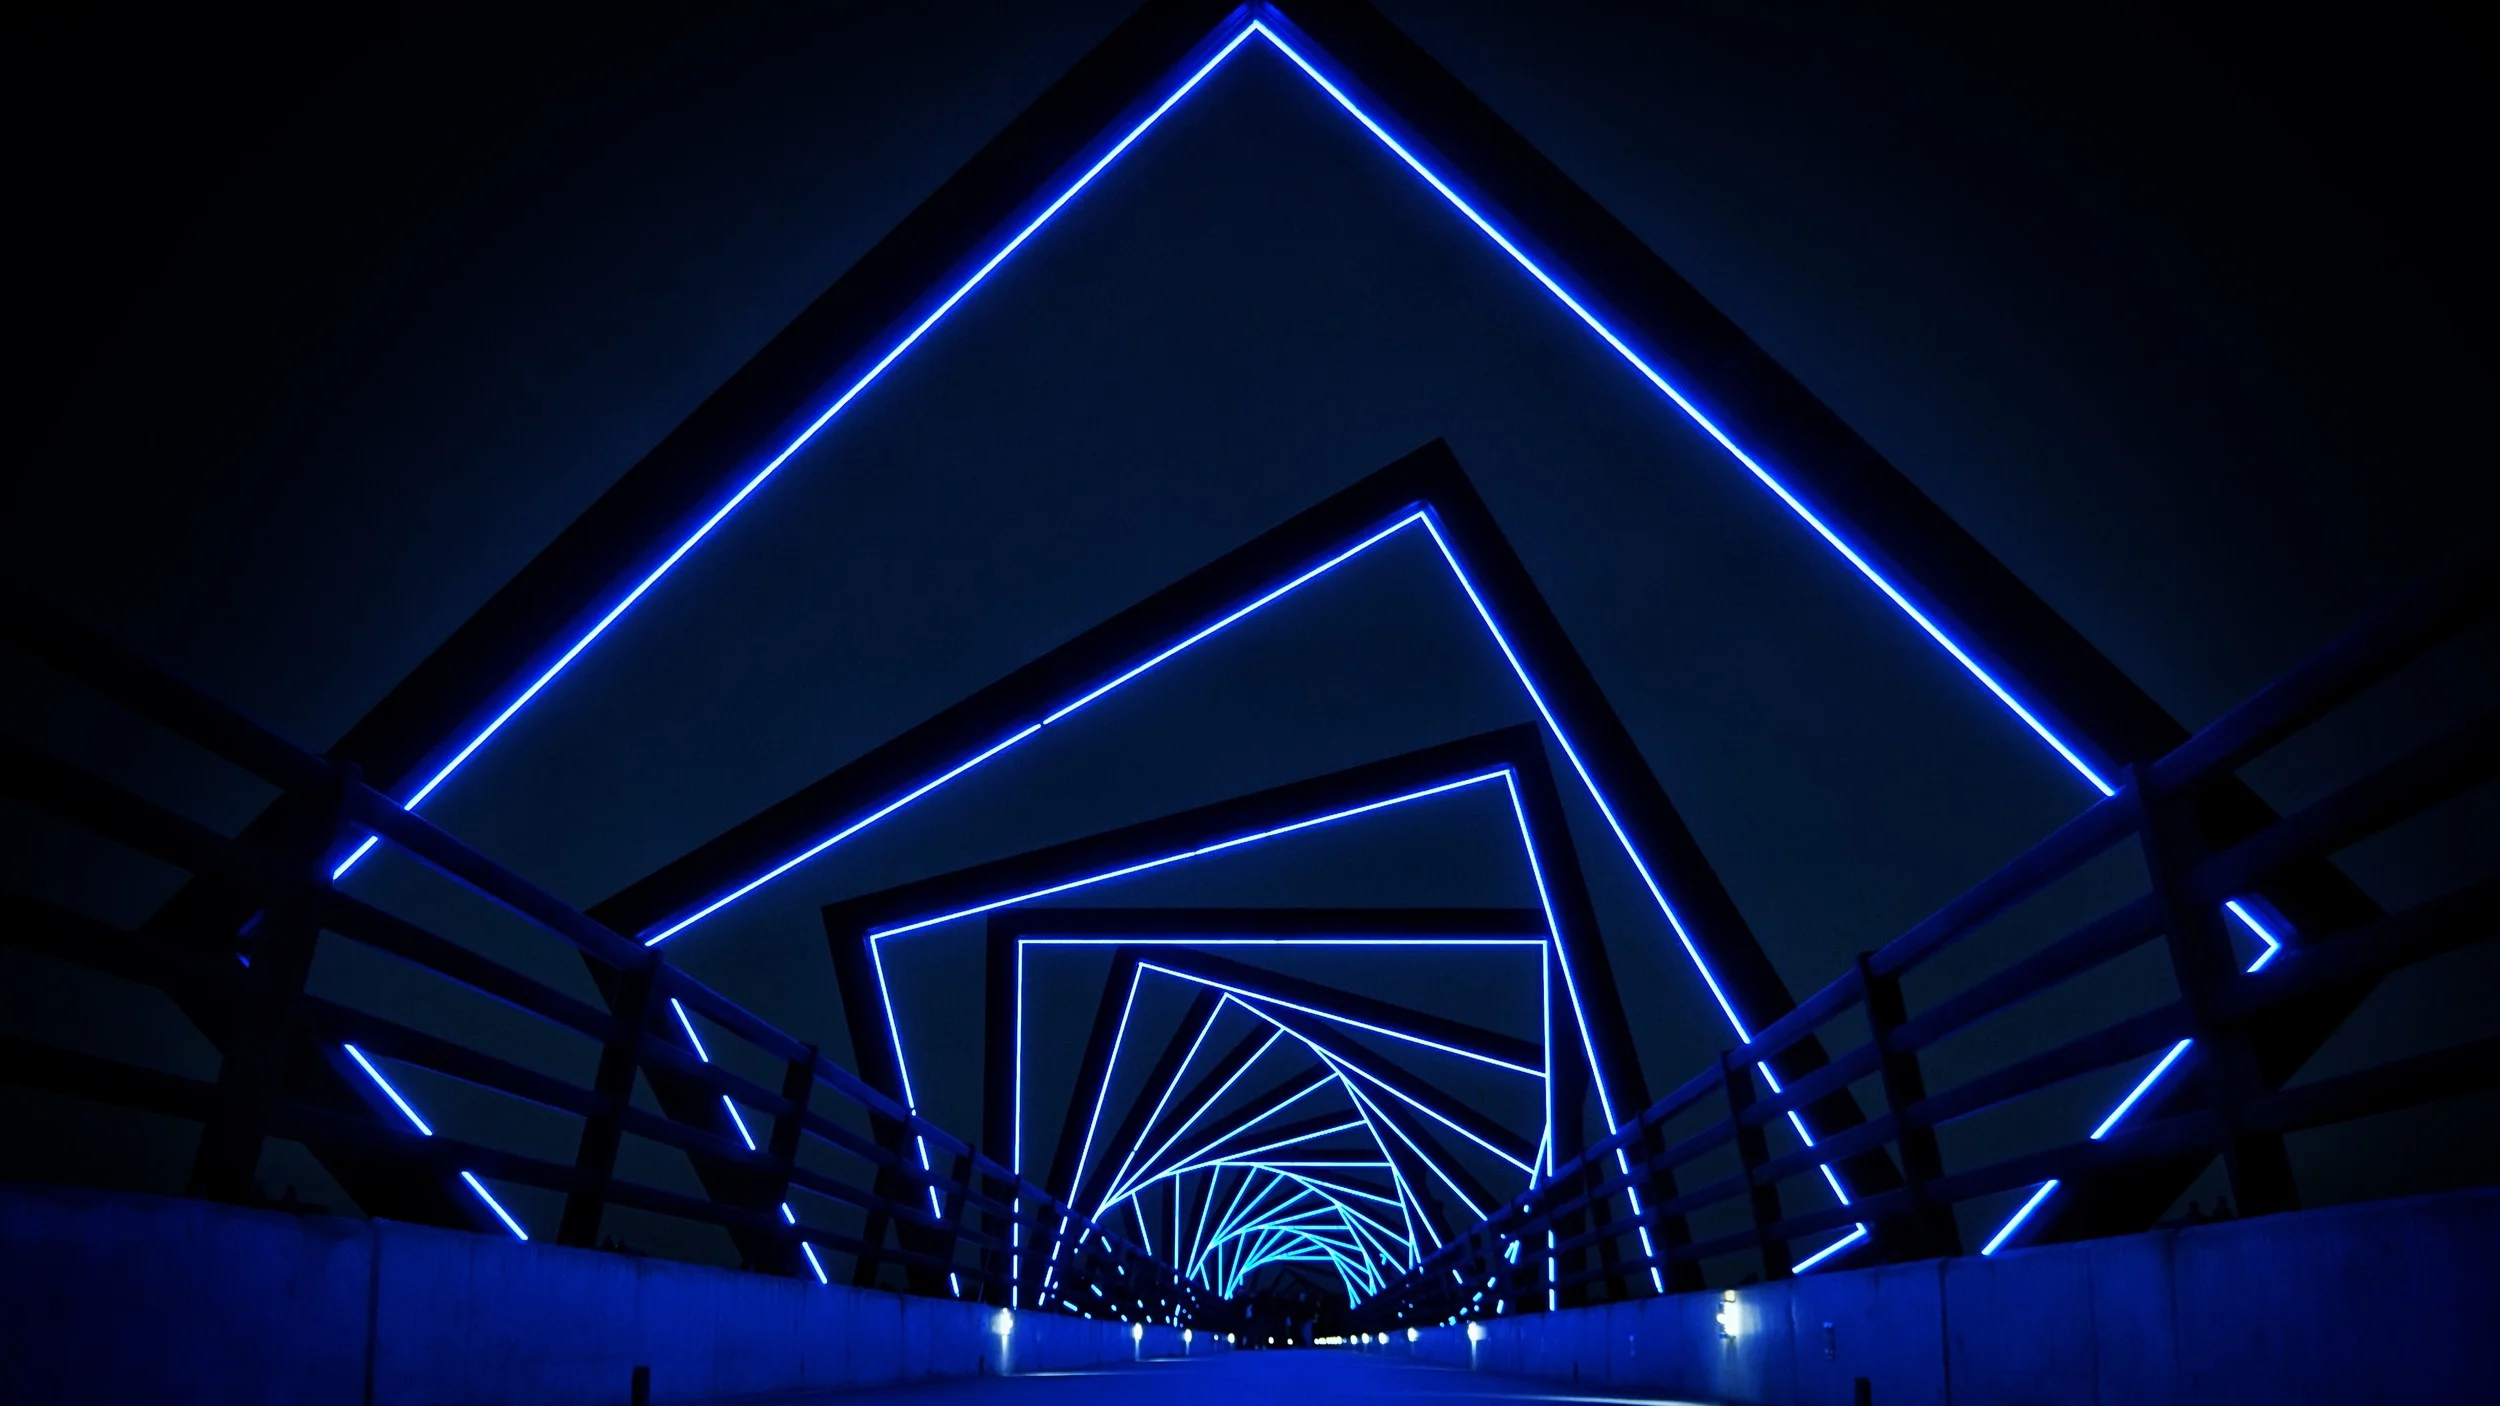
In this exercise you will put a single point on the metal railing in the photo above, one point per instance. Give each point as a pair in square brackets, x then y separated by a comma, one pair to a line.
[953, 1219]
[1573, 1238]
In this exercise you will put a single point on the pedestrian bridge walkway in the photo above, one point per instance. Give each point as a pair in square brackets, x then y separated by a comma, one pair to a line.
[265, 1307]
[1312, 1377]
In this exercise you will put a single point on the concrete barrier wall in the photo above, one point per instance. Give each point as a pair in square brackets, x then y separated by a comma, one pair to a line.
[2390, 1301]
[112, 1298]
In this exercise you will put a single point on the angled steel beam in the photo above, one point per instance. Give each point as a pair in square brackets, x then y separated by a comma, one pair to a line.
[1346, 1006]
[1841, 487]
[689, 473]
[1311, 1025]
[1008, 928]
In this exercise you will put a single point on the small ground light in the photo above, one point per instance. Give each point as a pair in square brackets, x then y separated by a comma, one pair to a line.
[1137, 1332]
[1475, 1332]
[1410, 1335]
[1726, 1315]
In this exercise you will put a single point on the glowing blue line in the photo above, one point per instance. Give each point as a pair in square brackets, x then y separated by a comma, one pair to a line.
[2139, 1090]
[1086, 1150]
[839, 405]
[1288, 588]
[1474, 217]
[1508, 247]
[1800, 1125]
[814, 1263]
[410, 1112]
[1186, 941]
[1123, 1186]
[1339, 1019]
[691, 1037]
[385, 1086]
[735, 1120]
[1829, 1250]
[1233, 1214]
[1216, 848]
[1212, 1100]
[1553, 928]
[1339, 1064]
[2274, 949]
[353, 857]
[1438, 1116]
[1361, 1098]
[837, 837]
[1293, 1141]
[1691, 411]
[494, 1205]
[740, 1123]
[1325, 1186]
[902, 1068]
[1406, 1193]
[2020, 1216]
[1120, 1176]
[2274, 945]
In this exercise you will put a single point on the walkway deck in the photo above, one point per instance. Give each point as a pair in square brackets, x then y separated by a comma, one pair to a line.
[1297, 1377]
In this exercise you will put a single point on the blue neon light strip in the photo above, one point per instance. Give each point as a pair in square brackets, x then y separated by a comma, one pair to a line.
[1291, 827]
[1477, 218]
[1997, 1241]
[1122, 1185]
[1339, 1018]
[1149, 1175]
[2142, 1087]
[476, 1187]
[1535, 866]
[1127, 1189]
[494, 1205]
[903, 1060]
[1843, 1243]
[1691, 411]
[841, 402]
[740, 1123]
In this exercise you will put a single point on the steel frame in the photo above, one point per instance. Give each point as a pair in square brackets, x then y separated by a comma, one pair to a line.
[1768, 421]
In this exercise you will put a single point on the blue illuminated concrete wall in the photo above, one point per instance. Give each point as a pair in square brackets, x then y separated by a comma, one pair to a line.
[111, 1298]
[2390, 1301]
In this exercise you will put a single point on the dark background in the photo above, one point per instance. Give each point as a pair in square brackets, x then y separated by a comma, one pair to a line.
[328, 324]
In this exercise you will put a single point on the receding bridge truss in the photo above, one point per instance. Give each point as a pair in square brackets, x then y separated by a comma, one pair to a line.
[1284, 1122]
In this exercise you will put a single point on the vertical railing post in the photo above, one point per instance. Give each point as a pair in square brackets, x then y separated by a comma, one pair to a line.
[1753, 1149]
[798, 1083]
[959, 1181]
[1666, 1233]
[603, 1132]
[1928, 1229]
[1601, 1220]
[262, 1037]
[2202, 961]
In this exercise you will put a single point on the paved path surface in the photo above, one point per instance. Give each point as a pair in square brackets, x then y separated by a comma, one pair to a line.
[1300, 1377]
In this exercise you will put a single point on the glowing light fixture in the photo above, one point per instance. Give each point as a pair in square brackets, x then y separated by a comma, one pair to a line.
[1997, 1241]
[1253, 21]
[476, 1188]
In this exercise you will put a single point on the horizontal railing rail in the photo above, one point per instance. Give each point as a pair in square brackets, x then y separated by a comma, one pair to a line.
[1574, 1237]
[922, 1193]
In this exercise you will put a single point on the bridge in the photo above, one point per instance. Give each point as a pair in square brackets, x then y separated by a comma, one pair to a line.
[1087, 1119]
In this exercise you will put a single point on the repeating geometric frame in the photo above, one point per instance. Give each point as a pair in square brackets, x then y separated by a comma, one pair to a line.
[2012, 644]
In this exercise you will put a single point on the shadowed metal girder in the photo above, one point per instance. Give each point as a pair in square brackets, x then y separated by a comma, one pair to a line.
[1208, 1146]
[1842, 491]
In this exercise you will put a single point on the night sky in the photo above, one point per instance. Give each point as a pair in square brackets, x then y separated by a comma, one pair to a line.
[334, 324]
